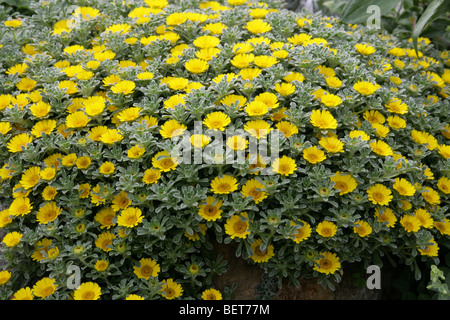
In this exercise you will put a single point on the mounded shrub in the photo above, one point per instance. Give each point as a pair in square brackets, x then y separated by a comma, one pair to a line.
[131, 133]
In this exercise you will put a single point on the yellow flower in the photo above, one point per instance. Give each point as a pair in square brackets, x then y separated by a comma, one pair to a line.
[224, 184]
[13, 23]
[328, 263]
[164, 162]
[151, 176]
[294, 76]
[258, 26]
[101, 265]
[242, 60]
[211, 294]
[249, 73]
[136, 152]
[147, 268]
[104, 241]
[326, 229]
[314, 155]
[404, 187]
[12, 239]
[256, 108]
[363, 228]
[259, 255]
[87, 291]
[178, 83]
[365, 49]
[431, 196]
[145, 76]
[129, 114]
[323, 119]
[83, 162]
[124, 87]
[366, 88]
[258, 128]
[206, 41]
[174, 100]
[333, 82]
[386, 215]
[20, 206]
[4, 277]
[302, 233]
[40, 109]
[397, 106]
[284, 88]
[253, 188]
[48, 173]
[19, 142]
[171, 129]
[443, 226]
[396, 123]
[215, 28]
[105, 217]
[345, 183]
[444, 150]
[94, 106]
[381, 148]
[265, 61]
[107, 168]
[77, 120]
[120, 201]
[44, 287]
[287, 128]
[171, 289]
[211, 210]
[424, 138]
[239, 100]
[68, 86]
[379, 194]
[410, 223]
[331, 100]
[284, 166]
[444, 185]
[431, 250]
[44, 126]
[237, 143]
[199, 140]
[207, 53]
[26, 84]
[332, 144]
[130, 217]
[196, 66]
[49, 212]
[30, 177]
[23, 294]
[237, 226]
[19, 68]
[424, 217]
[374, 117]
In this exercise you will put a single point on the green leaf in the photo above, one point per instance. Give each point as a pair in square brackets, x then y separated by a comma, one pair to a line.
[355, 11]
[431, 12]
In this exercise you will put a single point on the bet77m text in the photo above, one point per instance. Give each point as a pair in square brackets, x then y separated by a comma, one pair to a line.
[226, 309]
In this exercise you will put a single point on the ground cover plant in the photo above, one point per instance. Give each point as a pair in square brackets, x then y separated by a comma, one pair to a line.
[128, 133]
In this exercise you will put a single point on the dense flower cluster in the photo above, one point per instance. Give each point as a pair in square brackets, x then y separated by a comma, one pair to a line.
[94, 101]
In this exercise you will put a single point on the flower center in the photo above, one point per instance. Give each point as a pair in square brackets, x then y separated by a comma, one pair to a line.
[223, 187]
[378, 196]
[325, 264]
[240, 227]
[146, 271]
[89, 295]
[210, 210]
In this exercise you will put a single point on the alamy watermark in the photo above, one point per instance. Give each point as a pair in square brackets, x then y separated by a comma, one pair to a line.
[374, 20]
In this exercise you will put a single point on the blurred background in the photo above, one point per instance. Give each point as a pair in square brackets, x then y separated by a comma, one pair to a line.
[397, 16]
